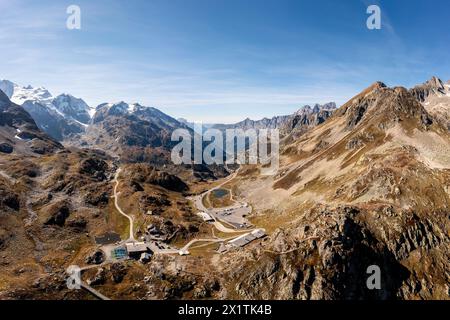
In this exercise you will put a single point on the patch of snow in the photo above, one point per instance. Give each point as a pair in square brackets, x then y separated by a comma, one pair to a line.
[81, 123]
[71, 105]
[132, 107]
[91, 112]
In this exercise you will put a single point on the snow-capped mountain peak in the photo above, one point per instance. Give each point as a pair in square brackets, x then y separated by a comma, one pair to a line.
[120, 107]
[73, 107]
[20, 95]
[58, 116]
[23, 94]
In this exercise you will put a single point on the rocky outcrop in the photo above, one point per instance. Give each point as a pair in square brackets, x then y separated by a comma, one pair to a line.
[6, 148]
[168, 181]
[434, 86]
[143, 173]
[77, 224]
[99, 278]
[57, 213]
[334, 264]
[94, 167]
[332, 267]
[95, 257]
[435, 97]
[8, 198]
[385, 107]
[118, 272]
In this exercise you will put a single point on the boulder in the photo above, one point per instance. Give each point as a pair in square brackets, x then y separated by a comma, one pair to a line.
[118, 272]
[6, 148]
[58, 214]
[96, 257]
[99, 278]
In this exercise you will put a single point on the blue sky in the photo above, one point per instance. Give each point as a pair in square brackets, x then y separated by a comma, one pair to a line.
[222, 60]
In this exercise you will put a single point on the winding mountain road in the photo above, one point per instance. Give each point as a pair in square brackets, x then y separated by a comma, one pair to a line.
[184, 250]
[116, 204]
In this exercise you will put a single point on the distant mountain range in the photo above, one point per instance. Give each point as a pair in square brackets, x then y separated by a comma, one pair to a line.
[70, 119]
[133, 130]
[59, 116]
[304, 117]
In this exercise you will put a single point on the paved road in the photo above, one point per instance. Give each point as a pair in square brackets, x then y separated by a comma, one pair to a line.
[157, 250]
[190, 243]
[214, 212]
[116, 203]
[184, 250]
[198, 203]
[94, 292]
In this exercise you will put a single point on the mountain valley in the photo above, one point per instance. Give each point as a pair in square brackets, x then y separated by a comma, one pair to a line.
[366, 183]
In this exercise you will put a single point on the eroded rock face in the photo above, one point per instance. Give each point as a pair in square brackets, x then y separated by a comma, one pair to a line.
[432, 86]
[144, 173]
[77, 224]
[5, 236]
[334, 265]
[95, 168]
[99, 278]
[168, 181]
[58, 214]
[8, 198]
[96, 197]
[118, 272]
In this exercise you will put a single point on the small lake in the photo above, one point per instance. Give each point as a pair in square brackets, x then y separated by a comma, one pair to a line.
[107, 238]
[220, 193]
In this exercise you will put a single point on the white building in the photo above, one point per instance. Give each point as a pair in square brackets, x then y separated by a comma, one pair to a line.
[136, 247]
[258, 233]
[205, 216]
[183, 252]
[247, 238]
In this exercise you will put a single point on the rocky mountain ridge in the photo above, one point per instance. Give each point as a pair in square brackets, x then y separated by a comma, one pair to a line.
[435, 97]
[300, 121]
[370, 186]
